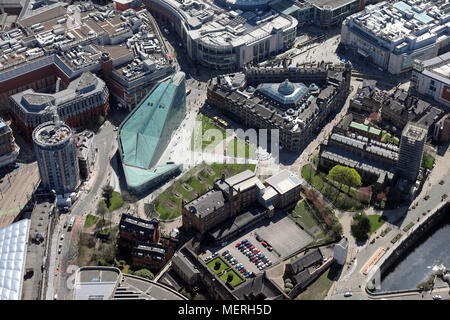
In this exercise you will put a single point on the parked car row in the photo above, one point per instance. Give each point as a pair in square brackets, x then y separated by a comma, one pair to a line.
[210, 257]
[254, 255]
[238, 266]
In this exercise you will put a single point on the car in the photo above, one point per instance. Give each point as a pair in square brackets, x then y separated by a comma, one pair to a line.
[261, 255]
[59, 250]
[259, 238]
[214, 254]
[115, 129]
[348, 294]
[60, 245]
[264, 243]
[62, 237]
[248, 244]
[238, 267]
[269, 248]
[245, 240]
[255, 259]
[265, 259]
[228, 257]
[252, 247]
[246, 275]
[208, 258]
[225, 253]
[260, 263]
[65, 225]
[233, 262]
[437, 297]
[238, 244]
[241, 271]
[256, 251]
[261, 268]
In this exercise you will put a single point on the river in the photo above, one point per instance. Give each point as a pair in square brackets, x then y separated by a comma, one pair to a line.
[430, 252]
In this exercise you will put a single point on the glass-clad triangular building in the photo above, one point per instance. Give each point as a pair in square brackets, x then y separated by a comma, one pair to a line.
[146, 132]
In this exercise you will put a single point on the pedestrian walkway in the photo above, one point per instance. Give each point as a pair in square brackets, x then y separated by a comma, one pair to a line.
[52, 264]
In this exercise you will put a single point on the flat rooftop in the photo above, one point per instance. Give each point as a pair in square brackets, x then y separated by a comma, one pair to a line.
[333, 4]
[49, 134]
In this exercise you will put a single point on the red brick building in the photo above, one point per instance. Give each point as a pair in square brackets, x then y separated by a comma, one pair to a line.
[133, 230]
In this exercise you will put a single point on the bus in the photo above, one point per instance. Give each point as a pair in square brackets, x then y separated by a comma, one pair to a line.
[72, 220]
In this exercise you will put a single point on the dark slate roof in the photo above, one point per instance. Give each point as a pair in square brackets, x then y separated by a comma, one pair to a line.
[257, 288]
[306, 260]
[207, 203]
[302, 277]
[144, 227]
[150, 250]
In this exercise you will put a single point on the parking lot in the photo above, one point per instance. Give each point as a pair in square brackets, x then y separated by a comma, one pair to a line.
[241, 258]
[284, 236]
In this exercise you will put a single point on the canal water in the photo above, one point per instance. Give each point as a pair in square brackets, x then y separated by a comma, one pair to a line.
[426, 256]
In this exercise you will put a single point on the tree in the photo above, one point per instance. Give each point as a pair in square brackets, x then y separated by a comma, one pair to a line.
[360, 227]
[230, 277]
[217, 265]
[345, 175]
[101, 210]
[107, 193]
[100, 119]
[144, 273]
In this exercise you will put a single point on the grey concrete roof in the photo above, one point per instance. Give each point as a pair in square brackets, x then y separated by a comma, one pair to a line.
[284, 181]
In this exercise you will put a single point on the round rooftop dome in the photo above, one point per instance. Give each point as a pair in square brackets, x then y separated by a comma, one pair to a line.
[286, 88]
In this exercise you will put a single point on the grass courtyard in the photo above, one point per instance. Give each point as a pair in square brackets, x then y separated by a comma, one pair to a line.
[318, 290]
[90, 221]
[194, 183]
[376, 222]
[345, 199]
[205, 140]
[304, 215]
[224, 269]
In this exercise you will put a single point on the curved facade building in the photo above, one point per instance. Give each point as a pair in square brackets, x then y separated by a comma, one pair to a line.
[224, 39]
[56, 154]
[146, 132]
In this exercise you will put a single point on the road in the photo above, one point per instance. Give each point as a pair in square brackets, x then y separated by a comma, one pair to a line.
[106, 142]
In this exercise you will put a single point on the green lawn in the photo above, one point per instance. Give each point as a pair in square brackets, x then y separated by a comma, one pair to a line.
[207, 140]
[199, 179]
[223, 265]
[116, 201]
[240, 148]
[90, 221]
[237, 278]
[303, 215]
[376, 222]
[427, 161]
[330, 189]
[318, 289]
[389, 139]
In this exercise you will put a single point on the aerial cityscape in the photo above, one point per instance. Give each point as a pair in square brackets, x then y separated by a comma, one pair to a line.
[240, 150]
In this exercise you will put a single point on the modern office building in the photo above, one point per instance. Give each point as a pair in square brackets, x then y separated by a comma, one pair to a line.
[226, 35]
[410, 153]
[9, 150]
[392, 34]
[432, 78]
[56, 154]
[55, 40]
[297, 101]
[323, 13]
[84, 99]
[146, 132]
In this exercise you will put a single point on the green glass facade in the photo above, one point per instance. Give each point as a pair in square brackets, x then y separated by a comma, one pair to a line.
[146, 132]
